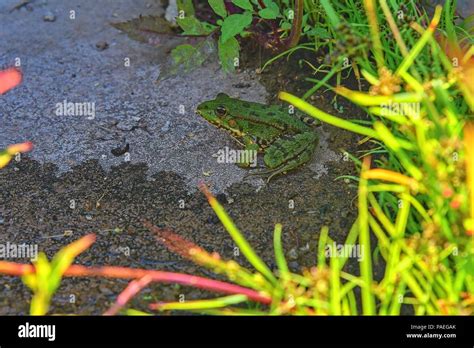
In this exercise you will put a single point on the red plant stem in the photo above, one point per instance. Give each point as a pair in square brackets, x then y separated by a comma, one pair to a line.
[294, 37]
[133, 288]
[16, 269]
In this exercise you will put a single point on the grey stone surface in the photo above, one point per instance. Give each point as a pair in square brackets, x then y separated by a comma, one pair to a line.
[61, 62]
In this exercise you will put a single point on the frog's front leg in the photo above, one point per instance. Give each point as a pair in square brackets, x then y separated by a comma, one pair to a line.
[249, 157]
[286, 154]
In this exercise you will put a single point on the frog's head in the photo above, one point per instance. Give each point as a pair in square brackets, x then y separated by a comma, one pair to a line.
[218, 111]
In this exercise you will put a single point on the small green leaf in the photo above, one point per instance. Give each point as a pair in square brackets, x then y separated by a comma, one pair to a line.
[268, 13]
[229, 53]
[271, 10]
[185, 58]
[185, 54]
[285, 26]
[235, 24]
[186, 6]
[218, 7]
[193, 26]
[245, 4]
[321, 33]
[269, 3]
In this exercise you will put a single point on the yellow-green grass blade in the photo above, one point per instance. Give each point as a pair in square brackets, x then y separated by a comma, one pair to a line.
[220, 302]
[238, 238]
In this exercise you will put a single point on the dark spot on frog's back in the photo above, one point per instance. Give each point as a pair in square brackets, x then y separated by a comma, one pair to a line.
[247, 105]
[271, 114]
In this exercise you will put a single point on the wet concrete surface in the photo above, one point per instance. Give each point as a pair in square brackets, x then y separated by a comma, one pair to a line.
[170, 152]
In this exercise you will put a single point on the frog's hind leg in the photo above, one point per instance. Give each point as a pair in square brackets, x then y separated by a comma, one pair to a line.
[288, 153]
[290, 165]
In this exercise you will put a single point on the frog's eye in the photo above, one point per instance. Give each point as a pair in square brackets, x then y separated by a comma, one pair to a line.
[221, 111]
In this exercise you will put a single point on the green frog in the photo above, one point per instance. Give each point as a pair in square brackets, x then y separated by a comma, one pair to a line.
[287, 140]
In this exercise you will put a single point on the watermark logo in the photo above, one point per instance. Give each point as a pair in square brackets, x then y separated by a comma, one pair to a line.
[66, 108]
[37, 331]
[20, 251]
[344, 250]
[227, 155]
[396, 109]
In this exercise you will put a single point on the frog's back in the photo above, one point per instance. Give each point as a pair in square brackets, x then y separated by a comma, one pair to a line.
[292, 117]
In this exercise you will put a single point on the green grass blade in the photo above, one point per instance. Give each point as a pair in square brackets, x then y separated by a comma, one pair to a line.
[220, 302]
[368, 300]
[279, 254]
[238, 238]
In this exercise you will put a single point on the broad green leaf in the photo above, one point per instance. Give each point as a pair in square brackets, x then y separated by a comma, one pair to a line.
[229, 53]
[218, 7]
[245, 4]
[235, 24]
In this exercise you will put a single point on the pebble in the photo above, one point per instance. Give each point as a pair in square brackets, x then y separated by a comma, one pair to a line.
[101, 45]
[293, 254]
[49, 17]
[294, 266]
[213, 220]
[106, 291]
[305, 247]
[166, 127]
[126, 125]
